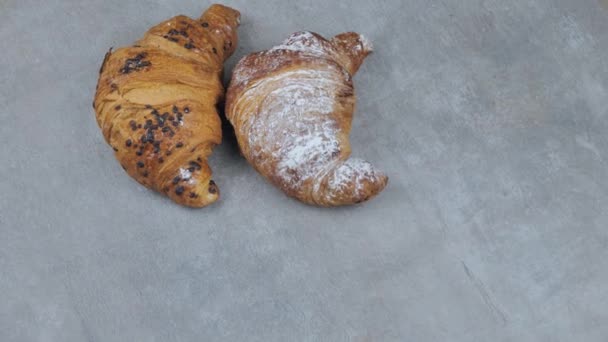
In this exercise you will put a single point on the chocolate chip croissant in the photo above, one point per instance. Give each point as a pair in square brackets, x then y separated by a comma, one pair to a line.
[156, 103]
[292, 108]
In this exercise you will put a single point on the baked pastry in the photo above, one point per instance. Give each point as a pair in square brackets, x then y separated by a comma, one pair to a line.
[156, 103]
[292, 108]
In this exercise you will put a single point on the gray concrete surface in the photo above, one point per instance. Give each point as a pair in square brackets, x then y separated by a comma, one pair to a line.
[490, 116]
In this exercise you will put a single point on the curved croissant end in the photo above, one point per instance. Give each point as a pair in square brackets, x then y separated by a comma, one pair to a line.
[348, 182]
[292, 109]
[156, 103]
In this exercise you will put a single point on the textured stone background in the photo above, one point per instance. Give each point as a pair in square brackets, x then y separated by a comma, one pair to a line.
[490, 116]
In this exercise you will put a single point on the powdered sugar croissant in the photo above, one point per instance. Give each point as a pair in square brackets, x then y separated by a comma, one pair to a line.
[292, 108]
[156, 103]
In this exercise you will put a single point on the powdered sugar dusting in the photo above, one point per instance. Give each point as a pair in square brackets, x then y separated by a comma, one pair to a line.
[307, 155]
[366, 43]
[302, 41]
[293, 129]
[186, 175]
[353, 171]
[244, 74]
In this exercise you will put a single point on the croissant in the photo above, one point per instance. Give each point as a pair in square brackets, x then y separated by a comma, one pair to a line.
[156, 103]
[292, 108]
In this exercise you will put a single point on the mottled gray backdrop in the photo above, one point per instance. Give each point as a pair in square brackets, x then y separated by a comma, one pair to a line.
[490, 117]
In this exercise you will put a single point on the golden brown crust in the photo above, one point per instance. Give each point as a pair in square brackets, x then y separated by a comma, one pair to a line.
[156, 103]
[292, 107]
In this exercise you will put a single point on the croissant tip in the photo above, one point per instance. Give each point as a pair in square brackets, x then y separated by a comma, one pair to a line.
[211, 193]
[204, 200]
[225, 11]
[366, 43]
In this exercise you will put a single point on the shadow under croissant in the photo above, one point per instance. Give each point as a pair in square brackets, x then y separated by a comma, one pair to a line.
[228, 134]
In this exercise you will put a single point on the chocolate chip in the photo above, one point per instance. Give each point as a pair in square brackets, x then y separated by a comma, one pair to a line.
[139, 153]
[205, 24]
[145, 174]
[115, 149]
[214, 51]
[133, 125]
[140, 164]
[161, 118]
[179, 190]
[150, 136]
[173, 32]
[179, 144]
[135, 64]
[212, 187]
[195, 165]
[186, 110]
[193, 195]
[118, 107]
[189, 45]
[161, 160]
[128, 142]
[176, 179]
[175, 109]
